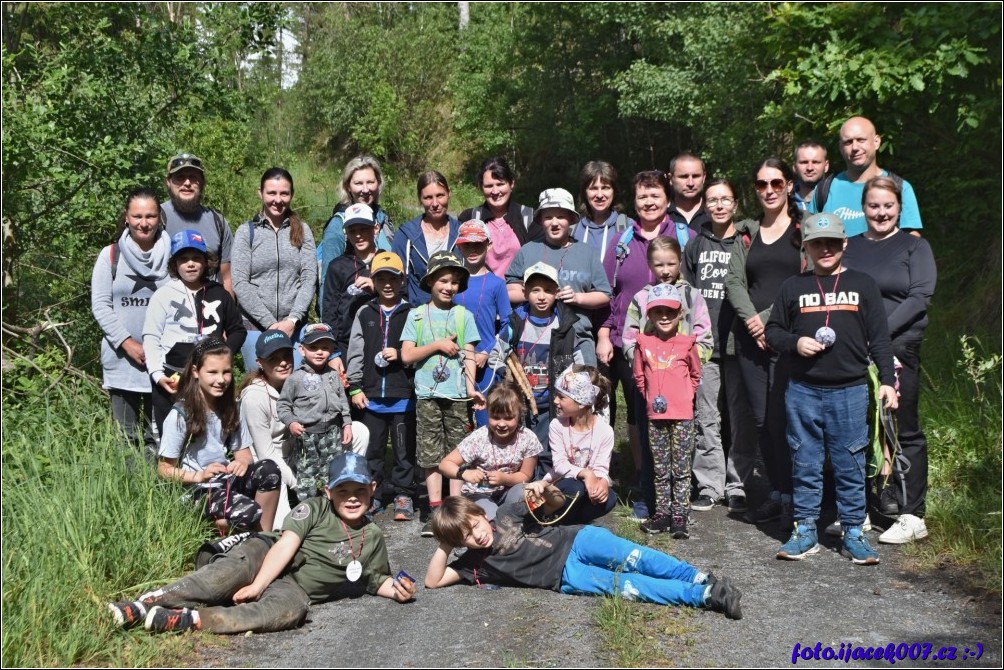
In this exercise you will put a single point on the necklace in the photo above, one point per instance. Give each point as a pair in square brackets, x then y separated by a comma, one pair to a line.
[825, 335]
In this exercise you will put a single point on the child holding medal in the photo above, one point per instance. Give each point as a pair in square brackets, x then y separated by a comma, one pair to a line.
[382, 388]
[829, 322]
[667, 370]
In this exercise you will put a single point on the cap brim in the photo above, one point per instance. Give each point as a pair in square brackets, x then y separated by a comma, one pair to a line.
[356, 478]
[358, 222]
[662, 303]
[526, 279]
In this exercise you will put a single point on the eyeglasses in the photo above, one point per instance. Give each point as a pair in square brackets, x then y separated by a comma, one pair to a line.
[725, 202]
[183, 161]
[775, 184]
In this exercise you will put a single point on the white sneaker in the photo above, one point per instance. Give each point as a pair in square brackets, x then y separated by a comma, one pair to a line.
[834, 529]
[906, 529]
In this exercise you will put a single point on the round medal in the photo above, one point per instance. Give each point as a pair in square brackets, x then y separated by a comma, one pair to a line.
[441, 373]
[825, 336]
[380, 361]
[353, 290]
[353, 571]
[659, 404]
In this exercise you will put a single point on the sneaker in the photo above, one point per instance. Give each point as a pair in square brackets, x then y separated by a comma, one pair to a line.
[888, 503]
[857, 548]
[702, 503]
[770, 510]
[907, 528]
[163, 620]
[802, 543]
[836, 530]
[724, 597]
[426, 530]
[678, 528]
[737, 502]
[376, 506]
[128, 613]
[639, 511]
[659, 523]
[404, 510]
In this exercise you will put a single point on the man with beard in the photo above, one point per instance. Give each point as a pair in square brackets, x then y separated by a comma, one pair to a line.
[686, 176]
[186, 179]
[811, 167]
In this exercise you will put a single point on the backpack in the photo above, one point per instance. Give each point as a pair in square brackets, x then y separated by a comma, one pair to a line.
[623, 251]
[822, 191]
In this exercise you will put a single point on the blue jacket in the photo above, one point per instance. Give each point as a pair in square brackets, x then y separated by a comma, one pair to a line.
[409, 244]
[332, 244]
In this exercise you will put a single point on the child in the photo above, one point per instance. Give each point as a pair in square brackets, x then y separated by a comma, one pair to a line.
[495, 459]
[313, 406]
[830, 322]
[439, 340]
[581, 444]
[546, 341]
[348, 284]
[667, 371]
[199, 431]
[327, 550]
[382, 388]
[581, 560]
[486, 298]
[183, 311]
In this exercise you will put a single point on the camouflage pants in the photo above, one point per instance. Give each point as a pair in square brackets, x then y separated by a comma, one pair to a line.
[315, 451]
[672, 446]
[232, 498]
[442, 424]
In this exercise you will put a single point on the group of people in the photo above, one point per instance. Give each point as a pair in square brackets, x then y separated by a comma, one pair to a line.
[487, 347]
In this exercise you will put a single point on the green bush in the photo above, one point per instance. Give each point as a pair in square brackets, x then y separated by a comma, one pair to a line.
[86, 521]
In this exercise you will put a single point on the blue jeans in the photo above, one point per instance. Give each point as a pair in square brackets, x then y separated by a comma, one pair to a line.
[834, 421]
[602, 564]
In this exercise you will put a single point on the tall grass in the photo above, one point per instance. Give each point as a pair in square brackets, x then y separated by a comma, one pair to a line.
[86, 521]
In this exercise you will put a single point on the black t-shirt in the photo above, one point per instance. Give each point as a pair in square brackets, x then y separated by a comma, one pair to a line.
[768, 265]
[523, 553]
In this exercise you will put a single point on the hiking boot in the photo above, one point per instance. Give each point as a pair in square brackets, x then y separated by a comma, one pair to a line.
[802, 543]
[835, 529]
[907, 528]
[163, 620]
[857, 548]
[769, 510]
[724, 597]
[702, 503]
[678, 528]
[736, 502]
[659, 523]
[426, 530]
[404, 509]
[128, 613]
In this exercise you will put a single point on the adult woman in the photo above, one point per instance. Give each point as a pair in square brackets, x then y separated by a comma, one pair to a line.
[126, 274]
[903, 267]
[705, 265]
[362, 182]
[435, 230]
[261, 430]
[626, 266]
[602, 219]
[274, 264]
[770, 252]
[510, 224]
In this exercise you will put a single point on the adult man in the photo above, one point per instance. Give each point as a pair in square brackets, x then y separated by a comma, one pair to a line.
[859, 145]
[686, 176]
[811, 167]
[186, 179]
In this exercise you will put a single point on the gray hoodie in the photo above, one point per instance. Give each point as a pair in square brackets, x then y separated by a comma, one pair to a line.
[273, 280]
[315, 399]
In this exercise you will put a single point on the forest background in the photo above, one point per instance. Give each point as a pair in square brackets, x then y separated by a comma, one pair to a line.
[97, 96]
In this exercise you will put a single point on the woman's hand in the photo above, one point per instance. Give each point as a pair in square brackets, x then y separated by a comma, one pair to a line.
[887, 395]
[604, 350]
[754, 326]
[285, 326]
[134, 350]
[169, 384]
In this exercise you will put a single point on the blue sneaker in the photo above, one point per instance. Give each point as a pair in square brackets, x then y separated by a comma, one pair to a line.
[857, 548]
[801, 544]
[640, 511]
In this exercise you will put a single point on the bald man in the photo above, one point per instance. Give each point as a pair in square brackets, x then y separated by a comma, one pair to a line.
[859, 145]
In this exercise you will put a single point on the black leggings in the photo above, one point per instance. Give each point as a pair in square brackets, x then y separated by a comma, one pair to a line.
[765, 376]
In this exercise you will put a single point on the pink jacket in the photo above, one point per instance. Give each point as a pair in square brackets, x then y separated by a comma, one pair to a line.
[671, 369]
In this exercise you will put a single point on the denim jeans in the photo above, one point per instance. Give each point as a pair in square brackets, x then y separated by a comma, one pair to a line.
[603, 564]
[833, 421]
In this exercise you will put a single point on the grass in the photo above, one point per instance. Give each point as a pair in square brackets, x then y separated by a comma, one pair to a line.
[644, 635]
[85, 522]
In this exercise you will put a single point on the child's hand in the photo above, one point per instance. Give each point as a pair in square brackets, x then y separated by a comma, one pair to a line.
[479, 399]
[389, 354]
[297, 429]
[247, 594]
[169, 384]
[481, 359]
[495, 478]
[404, 590]
[359, 401]
[448, 346]
[534, 492]
[808, 347]
[365, 284]
[237, 468]
[347, 434]
[474, 476]
[210, 471]
[596, 488]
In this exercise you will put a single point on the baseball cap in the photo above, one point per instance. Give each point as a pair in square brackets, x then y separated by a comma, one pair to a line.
[542, 269]
[348, 467]
[270, 342]
[822, 225]
[386, 261]
[442, 260]
[663, 295]
[182, 161]
[556, 198]
[359, 214]
[316, 332]
[473, 231]
[187, 239]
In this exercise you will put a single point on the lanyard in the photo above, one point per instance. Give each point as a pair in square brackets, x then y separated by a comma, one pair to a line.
[822, 295]
[352, 549]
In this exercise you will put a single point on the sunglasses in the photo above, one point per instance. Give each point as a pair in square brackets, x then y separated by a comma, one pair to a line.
[775, 184]
[184, 160]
